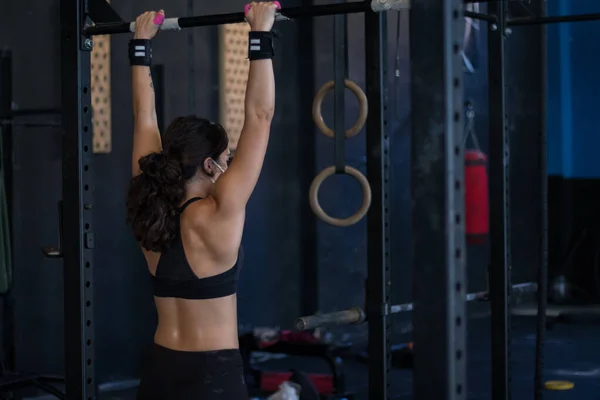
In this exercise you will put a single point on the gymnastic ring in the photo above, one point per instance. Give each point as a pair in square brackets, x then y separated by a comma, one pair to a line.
[313, 197]
[363, 108]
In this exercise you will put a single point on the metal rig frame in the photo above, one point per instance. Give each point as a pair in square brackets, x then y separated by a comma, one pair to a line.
[77, 225]
[500, 286]
[500, 23]
[437, 181]
[438, 230]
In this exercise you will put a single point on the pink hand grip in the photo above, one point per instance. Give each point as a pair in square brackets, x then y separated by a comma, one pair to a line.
[159, 19]
[249, 6]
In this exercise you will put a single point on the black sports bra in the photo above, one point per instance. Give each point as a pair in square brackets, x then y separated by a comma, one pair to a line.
[175, 277]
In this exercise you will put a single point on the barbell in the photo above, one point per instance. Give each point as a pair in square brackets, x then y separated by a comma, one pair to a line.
[356, 315]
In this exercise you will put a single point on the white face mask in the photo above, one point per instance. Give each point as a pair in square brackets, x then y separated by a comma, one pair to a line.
[218, 166]
[220, 169]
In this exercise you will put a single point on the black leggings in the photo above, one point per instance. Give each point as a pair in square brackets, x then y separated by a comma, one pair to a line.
[186, 375]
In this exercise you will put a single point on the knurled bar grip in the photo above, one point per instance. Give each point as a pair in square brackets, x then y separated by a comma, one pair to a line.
[352, 316]
[363, 108]
[169, 24]
[313, 197]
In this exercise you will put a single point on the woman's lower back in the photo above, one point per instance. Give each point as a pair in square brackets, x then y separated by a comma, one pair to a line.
[195, 355]
[197, 325]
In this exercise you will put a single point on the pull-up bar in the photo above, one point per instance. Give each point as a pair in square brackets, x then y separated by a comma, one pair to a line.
[175, 24]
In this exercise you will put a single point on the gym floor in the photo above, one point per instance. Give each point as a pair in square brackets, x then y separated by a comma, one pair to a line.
[572, 353]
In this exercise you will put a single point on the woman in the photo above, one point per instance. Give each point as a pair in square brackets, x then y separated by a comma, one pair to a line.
[187, 210]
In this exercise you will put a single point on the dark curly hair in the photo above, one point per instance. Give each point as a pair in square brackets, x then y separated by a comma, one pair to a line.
[156, 193]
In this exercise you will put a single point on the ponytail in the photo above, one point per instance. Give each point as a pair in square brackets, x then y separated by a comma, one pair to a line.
[153, 200]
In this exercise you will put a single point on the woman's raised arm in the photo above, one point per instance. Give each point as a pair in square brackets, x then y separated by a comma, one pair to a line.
[146, 135]
[234, 188]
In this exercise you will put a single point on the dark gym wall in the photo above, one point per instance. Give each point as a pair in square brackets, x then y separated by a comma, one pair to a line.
[572, 149]
[281, 232]
[124, 313]
[524, 90]
[26, 30]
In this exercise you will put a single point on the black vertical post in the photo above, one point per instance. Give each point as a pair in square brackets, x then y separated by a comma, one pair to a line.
[378, 245]
[499, 273]
[438, 222]
[191, 78]
[542, 292]
[309, 273]
[6, 164]
[78, 235]
[6, 121]
[340, 66]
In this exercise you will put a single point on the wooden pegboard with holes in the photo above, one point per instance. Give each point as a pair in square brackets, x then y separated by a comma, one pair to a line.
[101, 92]
[234, 66]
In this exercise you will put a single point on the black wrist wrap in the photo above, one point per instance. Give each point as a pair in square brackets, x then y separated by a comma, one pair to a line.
[140, 52]
[261, 45]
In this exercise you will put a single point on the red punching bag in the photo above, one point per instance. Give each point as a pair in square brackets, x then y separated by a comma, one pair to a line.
[477, 219]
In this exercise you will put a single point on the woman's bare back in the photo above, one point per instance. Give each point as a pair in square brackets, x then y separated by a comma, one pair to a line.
[210, 249]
